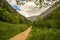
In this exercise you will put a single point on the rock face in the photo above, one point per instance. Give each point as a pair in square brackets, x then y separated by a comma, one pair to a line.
[29, 6]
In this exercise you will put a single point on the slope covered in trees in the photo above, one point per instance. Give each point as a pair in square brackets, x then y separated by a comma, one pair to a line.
[8, 14]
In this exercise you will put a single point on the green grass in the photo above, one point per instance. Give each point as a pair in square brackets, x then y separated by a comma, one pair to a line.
[8, 30]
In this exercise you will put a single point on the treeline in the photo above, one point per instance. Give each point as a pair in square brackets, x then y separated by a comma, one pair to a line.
[8, 14]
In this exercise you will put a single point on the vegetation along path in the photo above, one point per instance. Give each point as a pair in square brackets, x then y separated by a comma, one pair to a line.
[22, 36]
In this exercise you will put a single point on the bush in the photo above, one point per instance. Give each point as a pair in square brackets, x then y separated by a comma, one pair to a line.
[44, 34]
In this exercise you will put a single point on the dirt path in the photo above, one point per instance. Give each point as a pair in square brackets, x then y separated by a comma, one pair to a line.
[22, 36]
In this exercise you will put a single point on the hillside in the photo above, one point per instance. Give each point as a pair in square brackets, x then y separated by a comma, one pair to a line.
[12, 23]
[8, 14]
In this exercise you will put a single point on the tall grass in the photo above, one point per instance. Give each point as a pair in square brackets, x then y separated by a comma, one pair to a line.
[8, 30]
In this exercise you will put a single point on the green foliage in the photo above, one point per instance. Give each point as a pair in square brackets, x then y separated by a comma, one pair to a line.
[8, 30]
[10, 14]
[44, 29]
[44, 34]
[7, 17]
[51, 21]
